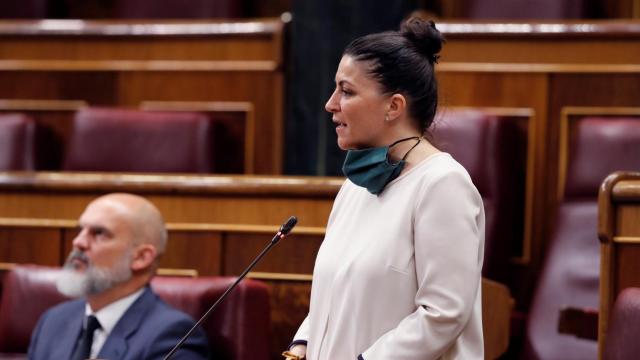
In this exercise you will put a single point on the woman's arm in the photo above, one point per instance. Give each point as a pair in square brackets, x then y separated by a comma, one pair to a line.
[298, 346]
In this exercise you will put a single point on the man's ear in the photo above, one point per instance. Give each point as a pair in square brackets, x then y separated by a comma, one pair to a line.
[397, 107]
[143, 257]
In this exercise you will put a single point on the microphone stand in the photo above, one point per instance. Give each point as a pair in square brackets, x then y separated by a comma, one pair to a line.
[284, 231]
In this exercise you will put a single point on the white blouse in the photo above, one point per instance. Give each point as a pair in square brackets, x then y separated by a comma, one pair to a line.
[398, 275]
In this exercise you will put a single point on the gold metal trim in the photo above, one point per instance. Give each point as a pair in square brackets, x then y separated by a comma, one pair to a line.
[5, 266]
[194, 227]
[177, 272]
[280, 276]
[41, 105]
[140, 65]
[627, 239]
[538, 68]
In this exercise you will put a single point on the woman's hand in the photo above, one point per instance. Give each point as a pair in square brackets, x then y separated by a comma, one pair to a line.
[297, 352]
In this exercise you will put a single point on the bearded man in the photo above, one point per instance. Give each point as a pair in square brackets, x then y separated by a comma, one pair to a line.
[118, 316]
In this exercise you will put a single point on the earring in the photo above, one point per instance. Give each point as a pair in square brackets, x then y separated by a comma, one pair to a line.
[386, 117]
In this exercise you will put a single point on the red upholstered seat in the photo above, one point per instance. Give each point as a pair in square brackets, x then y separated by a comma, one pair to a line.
[17, 142]
[493, 150]
[570, 274]
[139, 141]
[178, 9]
[27, 292]
[238, 328]
[622, 336]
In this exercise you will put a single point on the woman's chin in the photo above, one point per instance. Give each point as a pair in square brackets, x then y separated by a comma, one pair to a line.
[344, 145]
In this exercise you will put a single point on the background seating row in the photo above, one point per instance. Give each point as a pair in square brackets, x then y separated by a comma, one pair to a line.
[123, 140]
[593, 147]
[238, 329]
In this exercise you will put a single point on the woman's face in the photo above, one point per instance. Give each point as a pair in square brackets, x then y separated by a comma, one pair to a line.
[358, 107]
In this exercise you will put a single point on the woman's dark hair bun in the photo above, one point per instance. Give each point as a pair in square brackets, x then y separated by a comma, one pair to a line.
[424, 36]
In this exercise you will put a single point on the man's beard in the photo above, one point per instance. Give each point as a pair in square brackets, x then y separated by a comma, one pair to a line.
[93, 280]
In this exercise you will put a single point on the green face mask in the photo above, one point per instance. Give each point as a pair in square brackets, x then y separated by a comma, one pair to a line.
[371, 169]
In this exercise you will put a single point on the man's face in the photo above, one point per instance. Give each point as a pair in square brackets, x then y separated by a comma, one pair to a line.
[102, 250]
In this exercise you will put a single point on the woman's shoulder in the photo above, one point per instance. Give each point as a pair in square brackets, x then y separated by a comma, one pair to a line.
[440, 164]
[443, 169]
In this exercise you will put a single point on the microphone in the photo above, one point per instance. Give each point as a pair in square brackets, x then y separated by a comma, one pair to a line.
[285, 229]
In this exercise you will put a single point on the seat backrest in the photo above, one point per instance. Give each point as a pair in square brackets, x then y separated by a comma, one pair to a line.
[27, 292]
[238, 329]
[493, 149]
[177, 9]
[571, 271]
[17, 142]
[125, 140]
[24, 9]
[622, 336]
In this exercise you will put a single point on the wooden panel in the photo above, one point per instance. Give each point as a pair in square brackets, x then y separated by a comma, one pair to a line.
[295, 254]
[289, 307]
[35, 246]
[569, 42]
[619, 233]
[627, 228]
[201, 251]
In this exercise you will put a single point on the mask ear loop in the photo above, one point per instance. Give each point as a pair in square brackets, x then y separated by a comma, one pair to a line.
[405, 139]
[413, 147]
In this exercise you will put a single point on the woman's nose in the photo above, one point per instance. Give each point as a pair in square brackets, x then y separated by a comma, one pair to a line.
[332, 104]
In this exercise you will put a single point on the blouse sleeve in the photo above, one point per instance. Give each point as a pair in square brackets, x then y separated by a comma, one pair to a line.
[302, 335]
[448, 240]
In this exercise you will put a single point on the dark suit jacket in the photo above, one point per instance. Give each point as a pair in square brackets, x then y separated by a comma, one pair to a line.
[147, 330]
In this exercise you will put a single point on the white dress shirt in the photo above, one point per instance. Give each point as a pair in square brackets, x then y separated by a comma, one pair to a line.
[108, 317]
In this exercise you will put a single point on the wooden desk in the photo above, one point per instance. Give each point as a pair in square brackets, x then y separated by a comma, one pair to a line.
[619, 233]
[50, 68]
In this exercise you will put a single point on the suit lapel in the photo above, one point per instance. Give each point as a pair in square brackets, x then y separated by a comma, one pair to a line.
[117, 345]
[69, 332]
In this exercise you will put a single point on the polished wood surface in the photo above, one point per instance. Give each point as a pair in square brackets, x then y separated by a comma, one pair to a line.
[129, 64]
[497, 305]
[619, 233]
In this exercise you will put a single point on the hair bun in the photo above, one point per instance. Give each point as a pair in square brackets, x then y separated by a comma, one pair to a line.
[424, 36]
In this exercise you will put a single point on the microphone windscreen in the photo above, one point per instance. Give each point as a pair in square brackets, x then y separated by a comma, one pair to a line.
[287, 226]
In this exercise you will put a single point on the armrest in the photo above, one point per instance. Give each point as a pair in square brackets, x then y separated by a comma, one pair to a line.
[580, 322]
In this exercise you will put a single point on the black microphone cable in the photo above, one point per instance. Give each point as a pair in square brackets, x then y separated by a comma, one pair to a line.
[285, 229]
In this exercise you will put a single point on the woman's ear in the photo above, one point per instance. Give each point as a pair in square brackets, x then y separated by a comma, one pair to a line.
[397, 107]
[143, 257]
